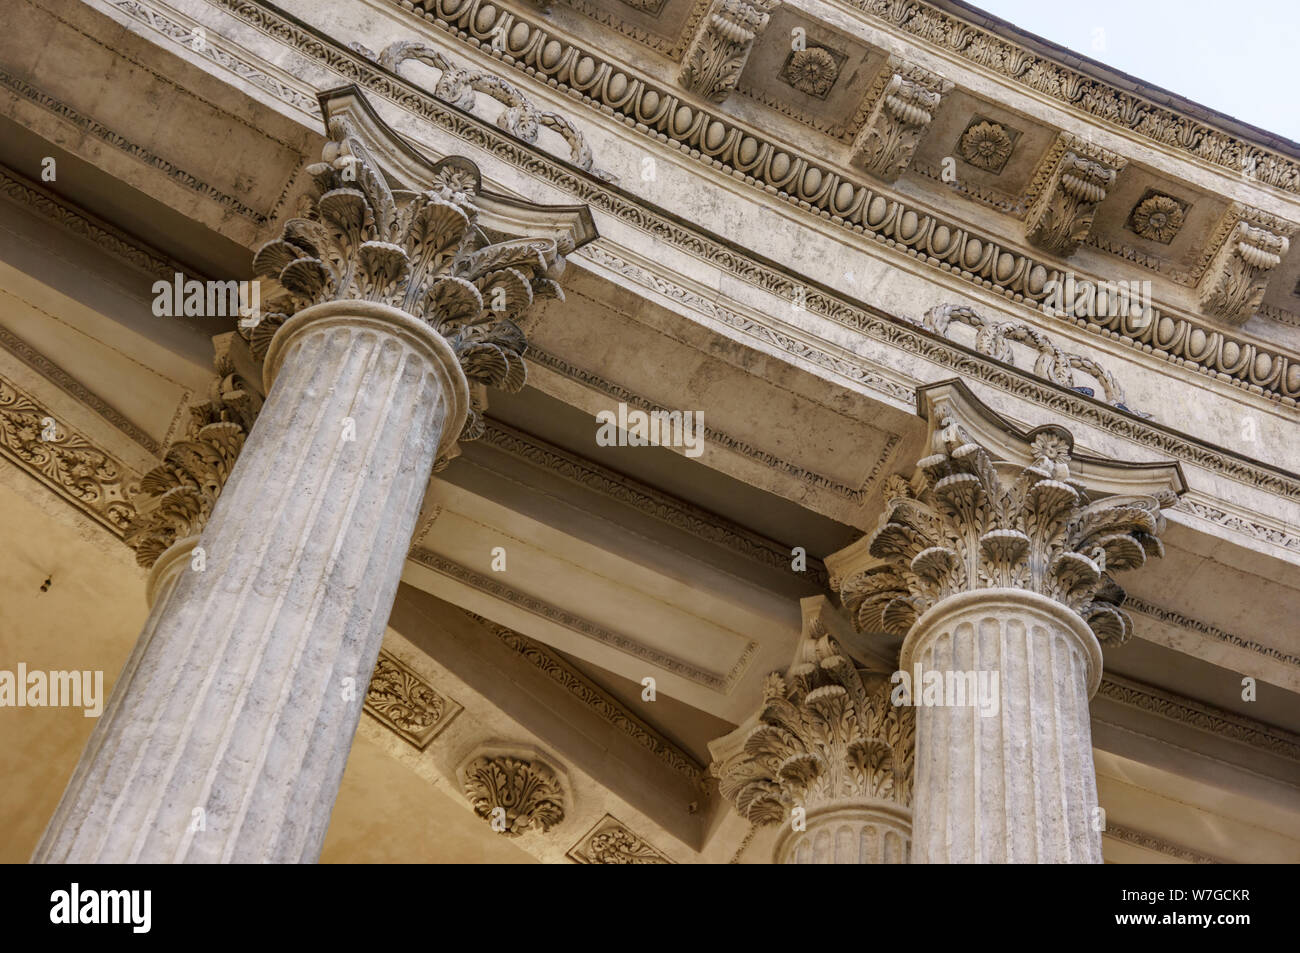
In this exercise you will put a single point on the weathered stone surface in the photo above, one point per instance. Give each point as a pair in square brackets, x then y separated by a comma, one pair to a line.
[226, 736]
[1017, 785]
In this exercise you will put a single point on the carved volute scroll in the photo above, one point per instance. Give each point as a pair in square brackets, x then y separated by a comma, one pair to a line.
[1062, 215]
[423, 252]
[442, 248]
[1235, 282]
[885, 144]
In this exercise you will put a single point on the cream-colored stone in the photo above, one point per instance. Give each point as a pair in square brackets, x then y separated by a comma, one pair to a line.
[869, 832]
[1016, 785]
[226, 737]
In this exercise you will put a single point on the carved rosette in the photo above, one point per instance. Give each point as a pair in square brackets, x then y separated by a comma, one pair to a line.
[966, 522]
[887, 140]
[421, 251]
[718, 52]
[827, 735]
[986, 145]
[812, 71]
[178, 494]
[1235, 282]
[527, 792]
[1062, 215]
[1158, 217]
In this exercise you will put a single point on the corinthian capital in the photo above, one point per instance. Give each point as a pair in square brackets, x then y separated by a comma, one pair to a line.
[906, 105]
[177, 496]
[717, 54]
[441, 249]
[1006, 509]
[826, 735]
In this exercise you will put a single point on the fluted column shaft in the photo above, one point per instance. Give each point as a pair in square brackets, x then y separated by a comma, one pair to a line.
[1018, 785]
[868, 831]
[227, 732]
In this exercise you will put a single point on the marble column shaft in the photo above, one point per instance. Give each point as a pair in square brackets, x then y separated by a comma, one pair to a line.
[227, 732]
[1018, 785]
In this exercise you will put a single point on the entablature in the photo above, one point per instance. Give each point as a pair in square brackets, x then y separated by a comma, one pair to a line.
[919, 97]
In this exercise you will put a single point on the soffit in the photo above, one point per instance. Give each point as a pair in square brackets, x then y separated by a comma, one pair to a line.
[1171, 814]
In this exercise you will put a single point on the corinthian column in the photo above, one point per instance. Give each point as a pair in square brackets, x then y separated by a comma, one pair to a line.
[994, 564]
[827, 757]
[227, 732]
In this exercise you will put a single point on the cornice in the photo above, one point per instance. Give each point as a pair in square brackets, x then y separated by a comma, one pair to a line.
[931, 346]
[1204, 628]
[786, 337]
[1268, 532]
[857, 495]
[180, 28]
[646, 499]
[91, 127]
[745, 155]
[766, 275]
[74, 388]
[996, 56]
[717, 681]
[671, 47]
[24, 192]
[1089, 95]
[1279, 315]
[1208, 718]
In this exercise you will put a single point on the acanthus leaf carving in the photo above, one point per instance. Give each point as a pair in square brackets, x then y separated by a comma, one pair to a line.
[34, 439]
[399, 698]
[1062, 214]
[420, 251]
[185, 486]
[827, 733]
[1233, 285]
[888, 138]
[717, 53]
[611, 842]
[967, 522]
[1243, 363]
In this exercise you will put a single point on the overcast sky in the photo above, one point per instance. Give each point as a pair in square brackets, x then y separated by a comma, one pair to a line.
[1239, 57]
